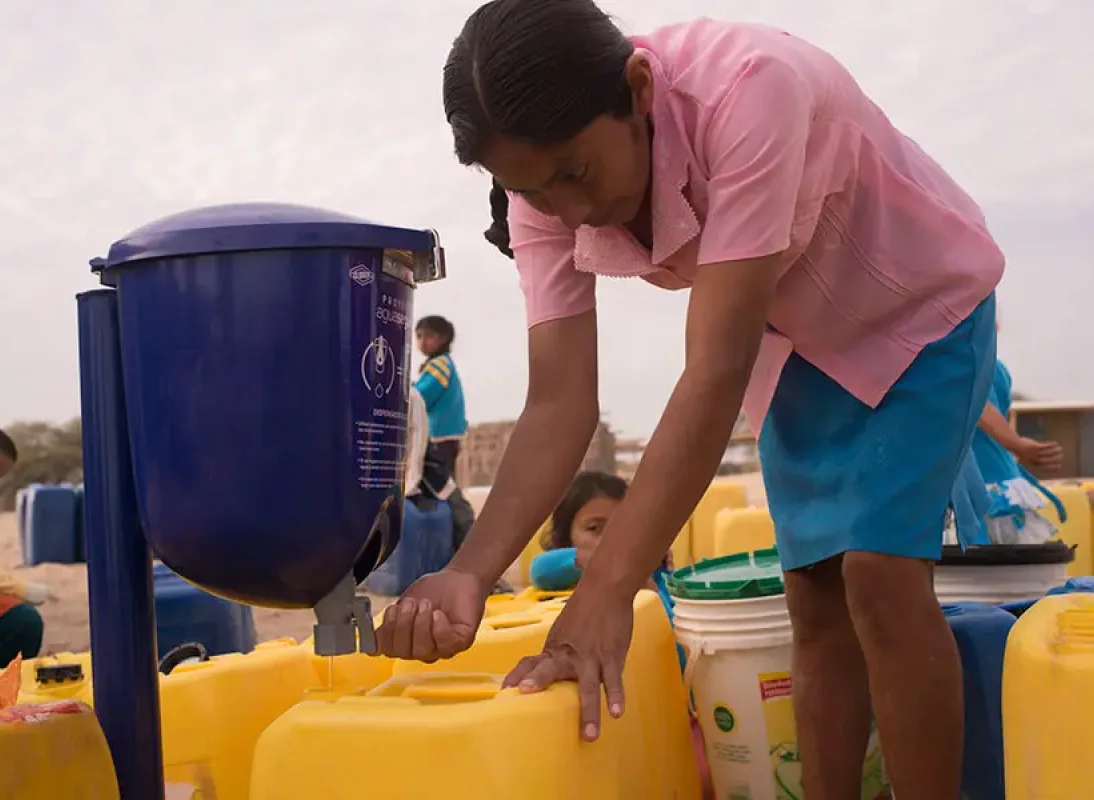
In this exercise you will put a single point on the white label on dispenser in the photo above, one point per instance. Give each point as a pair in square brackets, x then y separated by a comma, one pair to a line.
[380, 337]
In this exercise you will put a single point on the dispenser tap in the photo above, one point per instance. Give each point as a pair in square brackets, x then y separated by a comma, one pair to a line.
[344, 621]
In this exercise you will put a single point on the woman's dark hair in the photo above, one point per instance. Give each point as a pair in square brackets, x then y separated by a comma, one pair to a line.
[440, 326]
[539, 71]
[585, 487]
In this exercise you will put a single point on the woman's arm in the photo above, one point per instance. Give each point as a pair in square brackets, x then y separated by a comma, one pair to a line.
[726, 317]
[546, 447]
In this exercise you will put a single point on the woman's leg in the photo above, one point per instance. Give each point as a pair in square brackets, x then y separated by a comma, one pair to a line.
[20, 633]
[914, 669]
[831, 693]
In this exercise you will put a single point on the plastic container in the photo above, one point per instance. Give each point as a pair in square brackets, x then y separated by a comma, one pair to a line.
[486, 744]
[555, 570]
[185, 613]
[1077, 530]
[29, 668]
[997, 574]
[981, 632]
[526, 599]
[1048, 708]
[51, 532]
[743, 530]
[54, 750]
[214, 711]
[720, 494]
[21, 519]
[425, 546]
[266, 363]
[81, 534]
[731, 618]
[57, 679]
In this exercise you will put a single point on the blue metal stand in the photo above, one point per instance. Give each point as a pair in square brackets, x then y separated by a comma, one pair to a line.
[119, 567]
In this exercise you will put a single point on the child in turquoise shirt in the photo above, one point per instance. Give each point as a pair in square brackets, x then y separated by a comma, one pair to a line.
[439, 385]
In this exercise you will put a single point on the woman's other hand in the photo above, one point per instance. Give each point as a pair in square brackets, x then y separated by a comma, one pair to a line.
[587, 644]
[436, 618]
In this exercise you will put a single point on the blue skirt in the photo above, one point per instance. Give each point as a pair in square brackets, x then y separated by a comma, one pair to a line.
[843, 476]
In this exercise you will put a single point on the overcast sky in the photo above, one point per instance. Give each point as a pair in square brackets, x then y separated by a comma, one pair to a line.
[115, 112]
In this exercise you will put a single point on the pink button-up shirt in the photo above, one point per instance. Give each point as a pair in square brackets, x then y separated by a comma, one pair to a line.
[762, 144]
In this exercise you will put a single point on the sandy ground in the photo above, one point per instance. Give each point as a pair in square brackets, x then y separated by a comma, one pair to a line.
[66, 625]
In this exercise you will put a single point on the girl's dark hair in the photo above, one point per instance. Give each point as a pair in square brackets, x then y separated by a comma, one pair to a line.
[535, 70]
[585, 487]
[440, 326]
[8, 448]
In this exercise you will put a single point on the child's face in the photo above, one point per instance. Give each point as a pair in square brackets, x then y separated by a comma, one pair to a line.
[429, 342]
[588, 526]
[6, 464]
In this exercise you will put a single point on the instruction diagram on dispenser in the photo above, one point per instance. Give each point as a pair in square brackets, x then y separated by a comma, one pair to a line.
[379, 368]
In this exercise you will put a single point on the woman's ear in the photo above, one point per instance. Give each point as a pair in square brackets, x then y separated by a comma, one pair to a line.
[640, 78]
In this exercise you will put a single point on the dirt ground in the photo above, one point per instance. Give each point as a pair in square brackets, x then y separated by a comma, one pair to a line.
[66, 626]
[66, 618]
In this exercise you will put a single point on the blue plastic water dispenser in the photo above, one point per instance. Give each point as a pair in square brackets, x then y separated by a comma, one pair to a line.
[244, 389]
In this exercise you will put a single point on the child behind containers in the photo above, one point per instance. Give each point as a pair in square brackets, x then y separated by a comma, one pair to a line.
[20, 623]
[576, 526]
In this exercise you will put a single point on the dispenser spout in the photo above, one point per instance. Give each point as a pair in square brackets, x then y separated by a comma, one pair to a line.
[343, 621]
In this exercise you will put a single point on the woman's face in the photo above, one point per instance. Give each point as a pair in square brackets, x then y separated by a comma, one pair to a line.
[599, 177]
[588, 526]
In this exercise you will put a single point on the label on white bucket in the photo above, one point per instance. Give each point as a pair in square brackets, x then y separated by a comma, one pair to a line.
[754, 756]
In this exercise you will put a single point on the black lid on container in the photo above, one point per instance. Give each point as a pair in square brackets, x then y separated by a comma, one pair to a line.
[1001, 555]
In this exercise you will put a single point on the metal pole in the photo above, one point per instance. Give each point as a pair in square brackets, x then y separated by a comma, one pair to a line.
[119, 564]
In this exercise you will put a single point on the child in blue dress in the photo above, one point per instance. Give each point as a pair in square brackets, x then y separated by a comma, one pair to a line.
[1015, 496]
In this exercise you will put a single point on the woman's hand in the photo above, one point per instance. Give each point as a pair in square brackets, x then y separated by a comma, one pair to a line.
[437, 617]
[1048, 456]
[588, 644]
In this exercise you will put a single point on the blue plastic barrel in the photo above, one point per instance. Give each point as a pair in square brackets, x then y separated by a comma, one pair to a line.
[425, 546]
[50, 534]
[266, 364]
[981, 632]
[81, 534]
[184, 614]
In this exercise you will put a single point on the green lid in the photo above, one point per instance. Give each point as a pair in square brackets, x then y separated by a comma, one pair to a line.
[737, 577]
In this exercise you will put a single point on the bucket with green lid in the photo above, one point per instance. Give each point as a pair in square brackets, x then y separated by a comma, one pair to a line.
[732, 620]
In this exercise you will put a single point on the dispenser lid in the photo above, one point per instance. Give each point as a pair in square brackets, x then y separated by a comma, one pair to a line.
[740, 576]
[257, 226]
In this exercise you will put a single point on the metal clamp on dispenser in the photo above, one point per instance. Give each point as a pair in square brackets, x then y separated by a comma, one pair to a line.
[344, 622]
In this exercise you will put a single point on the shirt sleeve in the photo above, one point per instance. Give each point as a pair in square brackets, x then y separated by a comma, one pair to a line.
[544, 252]
[756, 143]
[432, 382]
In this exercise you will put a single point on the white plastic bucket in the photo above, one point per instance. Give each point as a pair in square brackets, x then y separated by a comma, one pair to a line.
[996, 574]
[738, 673]
[996, 584]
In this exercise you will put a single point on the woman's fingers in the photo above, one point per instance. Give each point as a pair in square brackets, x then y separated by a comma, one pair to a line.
[448, 639]
[611, 675]
[588, 693]
[385, 634]
[406, 610]
[522, 670]
[422, 644]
